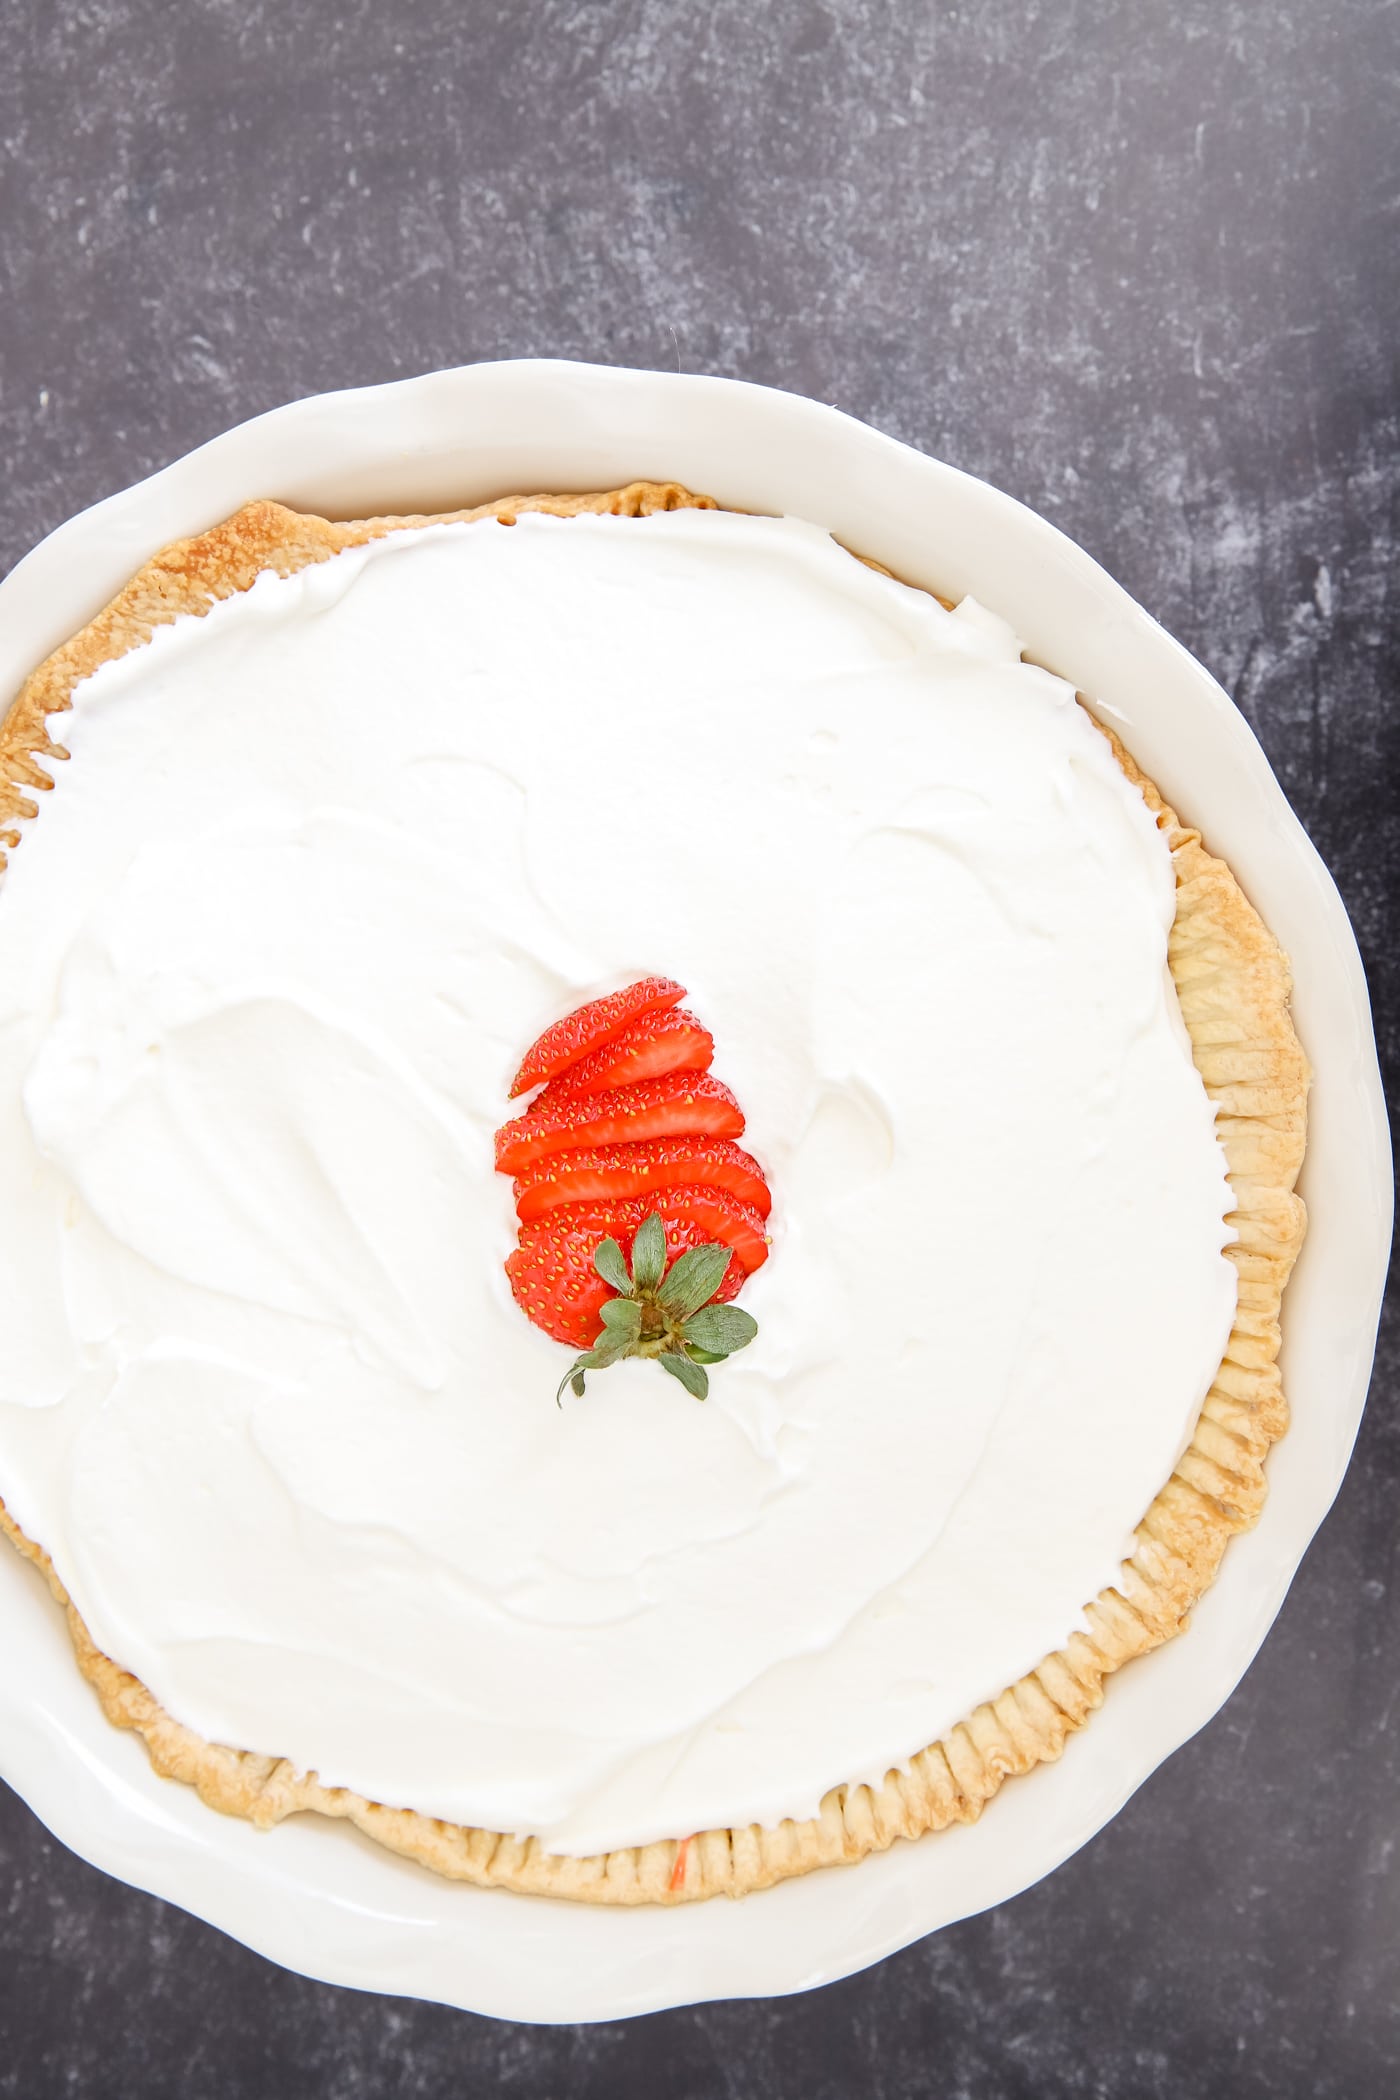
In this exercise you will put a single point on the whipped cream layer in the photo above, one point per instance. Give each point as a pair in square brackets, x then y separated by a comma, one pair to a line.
[322, 864]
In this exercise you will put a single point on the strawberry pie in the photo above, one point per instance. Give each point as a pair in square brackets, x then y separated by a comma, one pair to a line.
[647, 960]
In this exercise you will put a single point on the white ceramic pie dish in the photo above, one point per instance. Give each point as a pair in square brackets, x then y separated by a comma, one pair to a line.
[319, 1898]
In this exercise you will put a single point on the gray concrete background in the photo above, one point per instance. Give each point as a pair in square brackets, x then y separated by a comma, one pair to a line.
[1133, 262]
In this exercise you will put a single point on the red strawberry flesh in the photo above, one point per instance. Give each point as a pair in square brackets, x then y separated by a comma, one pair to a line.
[613, 1173]
[551, 1270]
[680, 1104]
[713, 1215]
[671, 1040]
[588, 1027]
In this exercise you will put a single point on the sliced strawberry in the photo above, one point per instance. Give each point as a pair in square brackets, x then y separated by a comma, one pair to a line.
[587, 1027]
[680, 1104]
[612, 1173]
[552, 1274]
[711, 1214]
[669, 1041]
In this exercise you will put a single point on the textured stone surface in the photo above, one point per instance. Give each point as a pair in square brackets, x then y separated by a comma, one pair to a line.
[1135, 264]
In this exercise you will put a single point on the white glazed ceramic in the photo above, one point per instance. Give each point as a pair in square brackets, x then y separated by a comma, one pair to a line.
[318, 1897]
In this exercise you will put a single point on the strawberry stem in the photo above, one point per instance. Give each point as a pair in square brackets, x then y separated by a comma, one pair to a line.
[663, 1313]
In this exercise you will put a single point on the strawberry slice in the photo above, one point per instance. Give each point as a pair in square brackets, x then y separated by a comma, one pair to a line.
[613, 1173]
[552, 1274]
[587, 1027]
[713, 1215]
[669, 1041]
[680, 1104]
[551, 1270]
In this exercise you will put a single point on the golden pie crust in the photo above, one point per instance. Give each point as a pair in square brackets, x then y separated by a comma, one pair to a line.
[1233, 984]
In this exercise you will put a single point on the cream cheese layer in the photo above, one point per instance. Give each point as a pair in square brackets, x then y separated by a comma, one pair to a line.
[322, 864]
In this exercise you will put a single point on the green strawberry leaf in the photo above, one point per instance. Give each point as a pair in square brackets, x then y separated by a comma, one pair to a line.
[721, 1328]
[704, 1356]
[690, 1375]
[611, 1346]
[609, 1261]
[649, 1253]
[694, 1279]
[574, 1377]
[622, 1316]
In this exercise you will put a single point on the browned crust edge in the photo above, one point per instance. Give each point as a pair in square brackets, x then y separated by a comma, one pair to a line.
[1233, 984]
